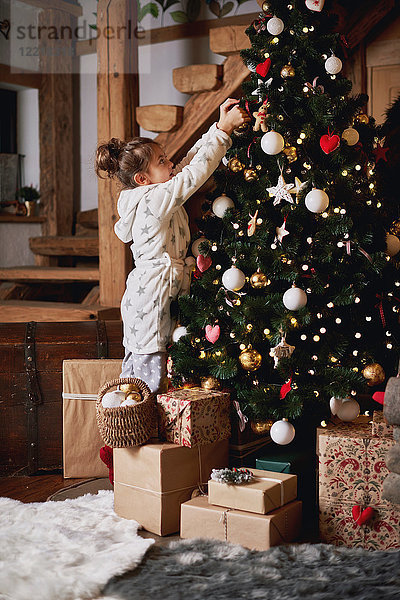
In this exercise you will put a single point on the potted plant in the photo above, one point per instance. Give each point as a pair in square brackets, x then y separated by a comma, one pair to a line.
[29, 196]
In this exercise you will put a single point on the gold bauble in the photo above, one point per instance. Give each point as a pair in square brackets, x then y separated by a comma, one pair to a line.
[235, 165]
[362, 118]
[374, 373]
[259, 280]
[291, 153]
[261, 427]
[287, 72]
[210, 383]
[266, 7]
[250, 174]
[395, 228]
[129, 387]
[241, 130]
[250, 359]
[135, 396]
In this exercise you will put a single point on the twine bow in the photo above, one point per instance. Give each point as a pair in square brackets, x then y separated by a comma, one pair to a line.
[379, 306]
[242, 418]
[313, 87]
[348, 250]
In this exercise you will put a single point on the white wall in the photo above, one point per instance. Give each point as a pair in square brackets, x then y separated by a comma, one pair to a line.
[28, 135]
[88, 118]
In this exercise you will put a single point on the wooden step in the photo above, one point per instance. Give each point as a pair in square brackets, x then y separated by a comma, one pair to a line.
[197, 78]
[229, 40]
[64, 274]
[19, 311]
[88, 218]
[159, 117]
[64, 246]
[201, 109]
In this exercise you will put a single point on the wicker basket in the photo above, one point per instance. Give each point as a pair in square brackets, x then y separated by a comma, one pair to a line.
[126, 426]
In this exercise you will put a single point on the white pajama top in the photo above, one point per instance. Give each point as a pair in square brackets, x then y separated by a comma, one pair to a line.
[153, 217]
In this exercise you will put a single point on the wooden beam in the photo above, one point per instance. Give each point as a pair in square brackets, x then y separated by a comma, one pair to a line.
[228, 40]
[202, 108]
[28, 79]
[68, 7]
[64, 246]
[197, 78]
[365, 19]
[159, 117]
[88, 218]
[49, 274]
[16, 311]
[117, 99]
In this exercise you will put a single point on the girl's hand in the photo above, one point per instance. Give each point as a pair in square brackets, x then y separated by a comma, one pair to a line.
[231, 116]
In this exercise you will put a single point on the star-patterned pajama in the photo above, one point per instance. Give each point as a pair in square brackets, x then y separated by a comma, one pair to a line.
[153, 217]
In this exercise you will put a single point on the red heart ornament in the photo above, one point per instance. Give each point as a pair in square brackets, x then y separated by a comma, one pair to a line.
[203, 262]
[212, 333]
[263, 68]
[329, 143]
[362, 516]
[379, 397]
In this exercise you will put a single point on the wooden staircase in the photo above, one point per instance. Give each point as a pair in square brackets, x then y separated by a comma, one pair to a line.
[71, 292]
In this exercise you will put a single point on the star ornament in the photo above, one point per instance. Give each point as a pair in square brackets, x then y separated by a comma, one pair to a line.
[282, 350]
[298, 187]
[380, 153]
[281, 191]
[281, 232]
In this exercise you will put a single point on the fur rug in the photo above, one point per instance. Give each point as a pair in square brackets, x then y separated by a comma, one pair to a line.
[204, 570]
[64, 550]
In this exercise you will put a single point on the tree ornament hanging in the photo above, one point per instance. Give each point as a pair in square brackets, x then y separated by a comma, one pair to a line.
[251, 226]
[287, 71]
[380, 153]
[263, 68]
[315, 5]
[272, 143]
[242, 130]
[362, 118]
[196, 244]
[260, 116]
[348, 410]
[298, 187]
[351, 136]
[329, 143]
[210, 383]
[178, 333]
[291, 153]
[212, 333]
[203, 263]
[395, 228]
[250, 174]
[266, 6]
[294, 298]
[259, 280]
[282, 350]
[333, 65]
[317, 201]
[250, 359]
[235, 165]
[281, 232]
[374, 373]
[233, 279]
[221, 205]
[281, 191]
[392, 245]
[275, 26]
[261, 427]
[282, 432]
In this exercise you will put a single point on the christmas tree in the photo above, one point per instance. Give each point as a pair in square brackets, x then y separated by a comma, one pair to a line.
[293, 302]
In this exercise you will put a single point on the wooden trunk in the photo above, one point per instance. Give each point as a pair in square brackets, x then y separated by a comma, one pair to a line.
[31, 357]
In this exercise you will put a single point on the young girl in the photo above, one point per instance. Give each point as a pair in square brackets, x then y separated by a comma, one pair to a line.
[151, 213]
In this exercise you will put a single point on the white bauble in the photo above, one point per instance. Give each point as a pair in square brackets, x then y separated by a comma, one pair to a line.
[294, 298]
[392, 245]
[349, 410]
[196, 244]
[233, 279]
[129, 402]
[333, 65]
[113, 399]
[275, 26]
[178, 333]
[351, 136]
[221, 205]
[317, 201]
[272, 142]
[282, 432]
[335, 404]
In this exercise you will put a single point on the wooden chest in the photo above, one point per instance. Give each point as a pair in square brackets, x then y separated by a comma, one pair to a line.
[31, 357]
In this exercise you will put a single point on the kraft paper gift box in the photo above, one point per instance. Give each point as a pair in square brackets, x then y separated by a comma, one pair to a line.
[379, 426]
[152, 481]
[200, 519]
[81, 438]
[266, 492]
[194, 416]
[352, 469]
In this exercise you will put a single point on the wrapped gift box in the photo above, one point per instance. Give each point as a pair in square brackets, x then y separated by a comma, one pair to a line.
[152, 481]
[194, 416]
[199, 518]
[81, 438]
[351, 473]
[284, 462]
[379, 426]
[266, 492]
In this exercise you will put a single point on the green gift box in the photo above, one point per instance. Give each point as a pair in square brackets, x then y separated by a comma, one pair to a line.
[284, 462]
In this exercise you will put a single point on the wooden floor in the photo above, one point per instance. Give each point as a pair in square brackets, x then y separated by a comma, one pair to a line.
[36, 488]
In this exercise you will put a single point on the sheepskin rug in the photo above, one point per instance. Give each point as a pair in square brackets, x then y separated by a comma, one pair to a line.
[65, 550]
[208, 570]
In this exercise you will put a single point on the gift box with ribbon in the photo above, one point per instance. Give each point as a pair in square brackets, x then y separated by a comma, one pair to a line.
[194, 416]
[264, 493]
[152, 481]
[352, 469]
[199, 518]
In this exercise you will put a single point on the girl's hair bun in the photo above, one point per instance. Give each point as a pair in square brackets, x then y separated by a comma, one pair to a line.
[107, 157]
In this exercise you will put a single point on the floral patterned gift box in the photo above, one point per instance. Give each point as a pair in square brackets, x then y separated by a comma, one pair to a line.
[351, 473]
[379, 426]
[194, 416]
